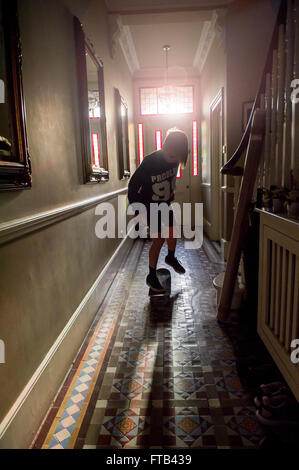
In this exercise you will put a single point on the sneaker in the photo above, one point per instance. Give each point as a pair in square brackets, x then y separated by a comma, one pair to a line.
[278, 411]
[175, 264]
[154, 283]
[273, 388]
[270, 390]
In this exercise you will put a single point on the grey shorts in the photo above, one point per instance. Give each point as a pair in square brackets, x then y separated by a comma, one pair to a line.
[164, 220]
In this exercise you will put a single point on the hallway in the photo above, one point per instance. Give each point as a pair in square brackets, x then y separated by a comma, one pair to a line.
[150, 380]
[189, 108]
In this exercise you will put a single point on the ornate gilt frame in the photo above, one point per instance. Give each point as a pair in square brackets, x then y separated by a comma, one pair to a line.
[92, 174]
[16, 173]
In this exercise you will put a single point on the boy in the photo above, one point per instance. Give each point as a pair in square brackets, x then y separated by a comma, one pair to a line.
[154, 182]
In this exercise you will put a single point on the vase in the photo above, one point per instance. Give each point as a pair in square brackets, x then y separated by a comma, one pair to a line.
[293, 209]
[277, 206]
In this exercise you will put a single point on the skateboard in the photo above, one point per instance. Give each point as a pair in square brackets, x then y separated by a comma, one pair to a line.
[161, 298]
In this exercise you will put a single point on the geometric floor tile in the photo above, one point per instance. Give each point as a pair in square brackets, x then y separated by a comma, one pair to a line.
[122, 428]
[232, 384]
[183, 386]
[147, 378]
[245, 425]
[131, 387]
[188, 428]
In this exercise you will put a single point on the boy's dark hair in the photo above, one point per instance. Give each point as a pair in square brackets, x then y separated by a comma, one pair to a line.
[177, 140]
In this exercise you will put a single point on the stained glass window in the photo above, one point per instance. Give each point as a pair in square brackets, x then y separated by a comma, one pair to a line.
[158, 139]
[148, 101]
[166, 100]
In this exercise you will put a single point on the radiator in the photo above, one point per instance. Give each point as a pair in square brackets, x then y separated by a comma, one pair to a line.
[278, 306]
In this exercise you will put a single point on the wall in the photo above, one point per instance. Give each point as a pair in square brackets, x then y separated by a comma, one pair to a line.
[238, 68]
[250, 24]
[212, 79]
[45, 275]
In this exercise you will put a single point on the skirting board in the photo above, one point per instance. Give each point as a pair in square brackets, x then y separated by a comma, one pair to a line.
[21, 423]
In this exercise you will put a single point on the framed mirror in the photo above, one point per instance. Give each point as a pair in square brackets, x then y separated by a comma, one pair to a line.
[91, 109]
[122, 128]
[15, 168]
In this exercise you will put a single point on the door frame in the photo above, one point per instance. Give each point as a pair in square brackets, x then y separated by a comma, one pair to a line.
[216, 193]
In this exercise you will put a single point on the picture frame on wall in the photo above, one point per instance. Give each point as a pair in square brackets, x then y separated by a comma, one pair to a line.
[246, 111]
[15, 164]
[122, 127]
[91, 101]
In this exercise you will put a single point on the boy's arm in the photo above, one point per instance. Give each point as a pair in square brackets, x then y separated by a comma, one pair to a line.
[135, 183]
[173, 188]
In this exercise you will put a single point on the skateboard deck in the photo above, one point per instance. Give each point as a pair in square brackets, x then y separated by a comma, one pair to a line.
[165, 279]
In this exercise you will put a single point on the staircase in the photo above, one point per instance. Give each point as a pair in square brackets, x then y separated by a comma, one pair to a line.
[271, 171]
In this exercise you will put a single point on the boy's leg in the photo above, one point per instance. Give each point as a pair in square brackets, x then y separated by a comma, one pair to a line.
[171, 241]
[154, 252]
[170, 258]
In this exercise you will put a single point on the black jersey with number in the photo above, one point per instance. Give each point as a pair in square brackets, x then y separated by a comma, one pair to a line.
[153, 181]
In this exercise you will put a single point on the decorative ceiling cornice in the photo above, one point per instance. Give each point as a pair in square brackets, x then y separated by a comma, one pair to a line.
[143, 7]
[114, 33]
[122, 34]
[215, 26]
[128, 48]
[205, 42]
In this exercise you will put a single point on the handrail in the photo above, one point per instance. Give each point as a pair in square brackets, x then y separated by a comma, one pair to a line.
[229, 168]
[253, 155]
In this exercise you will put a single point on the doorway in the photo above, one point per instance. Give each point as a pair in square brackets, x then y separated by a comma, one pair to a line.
[216, 146]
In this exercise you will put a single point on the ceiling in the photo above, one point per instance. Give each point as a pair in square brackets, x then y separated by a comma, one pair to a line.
[123, 5]
[150, 39]
[145, 27]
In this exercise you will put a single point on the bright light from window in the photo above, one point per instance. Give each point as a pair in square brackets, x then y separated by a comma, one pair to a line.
[95, 148]
[148, 101]
[158, 139]
[97, 112]
[195, 147]
[179, 173]
[94, 105]
[166, 100]
[140, 142]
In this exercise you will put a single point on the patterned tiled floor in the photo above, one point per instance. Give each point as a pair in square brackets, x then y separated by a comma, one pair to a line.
[155, 379]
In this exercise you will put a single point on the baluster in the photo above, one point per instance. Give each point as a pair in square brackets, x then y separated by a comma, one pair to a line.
[295, 107]
[280, 106]
[268, 131]
[273, 118]
[287, 147]
[261, 172]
